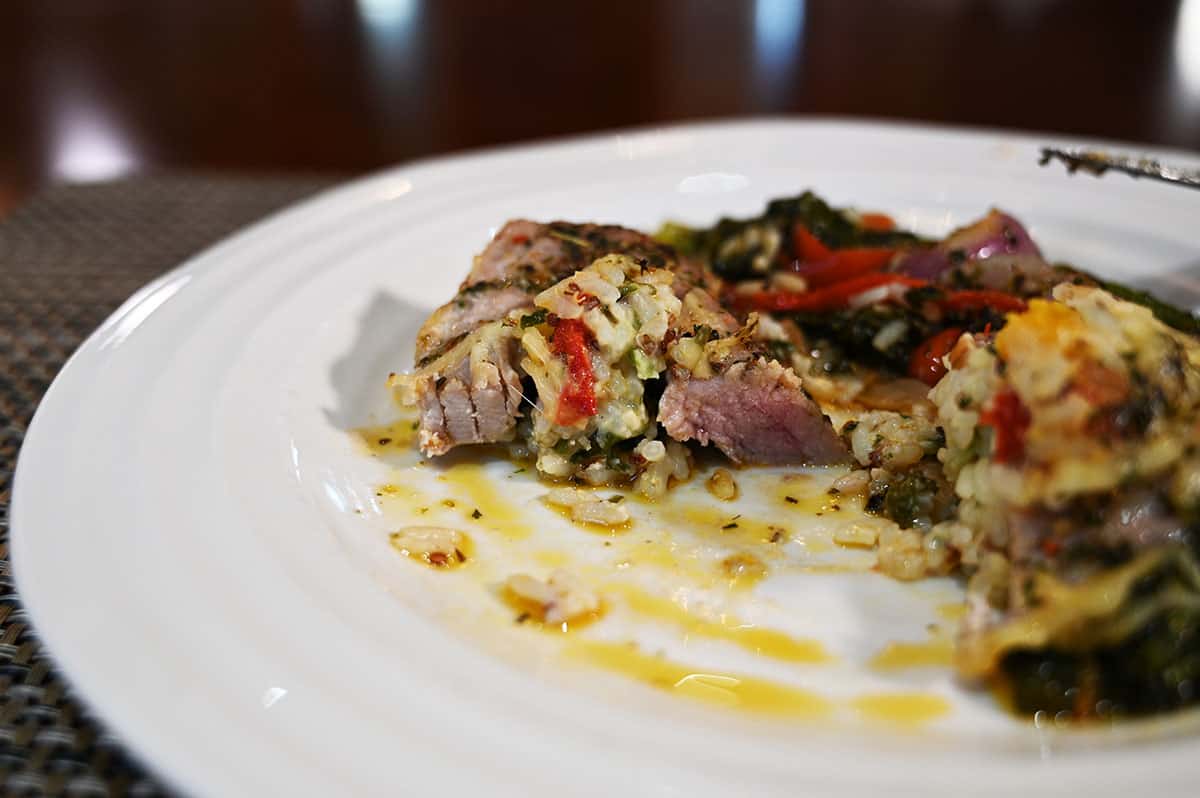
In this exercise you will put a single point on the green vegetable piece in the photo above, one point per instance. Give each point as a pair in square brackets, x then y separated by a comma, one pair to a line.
[683, 239]
[534, 319]
[909, 501]
[643, 364]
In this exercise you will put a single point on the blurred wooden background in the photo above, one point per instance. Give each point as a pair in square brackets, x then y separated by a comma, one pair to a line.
[92, 89]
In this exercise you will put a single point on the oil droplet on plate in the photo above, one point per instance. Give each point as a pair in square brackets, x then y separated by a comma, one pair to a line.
[473, 485]
[732, 691]
[901, 709]
[397, 436]
[900, 655]
[724, 626]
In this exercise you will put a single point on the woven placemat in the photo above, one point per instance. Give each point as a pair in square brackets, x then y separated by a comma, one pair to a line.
[68, 257]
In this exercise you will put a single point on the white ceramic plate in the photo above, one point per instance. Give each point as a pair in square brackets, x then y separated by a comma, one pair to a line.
[199, 540]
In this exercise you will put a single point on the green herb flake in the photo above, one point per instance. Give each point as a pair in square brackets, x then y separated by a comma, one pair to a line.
[534, 319]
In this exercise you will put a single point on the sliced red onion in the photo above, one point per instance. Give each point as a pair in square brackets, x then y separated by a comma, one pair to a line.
[924, 264]
[995, 235]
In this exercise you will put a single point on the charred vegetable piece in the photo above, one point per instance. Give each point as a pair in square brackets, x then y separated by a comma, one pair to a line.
[967, 300]
[738, 248]
[926, 364]
[842, 265]
[878, 222]
[806, 246]
[833, 297]
[857, 331]
[835, 228]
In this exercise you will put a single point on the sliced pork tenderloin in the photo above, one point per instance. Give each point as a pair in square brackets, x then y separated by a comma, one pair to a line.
[755, 411]
[524, 258]
[470, 394]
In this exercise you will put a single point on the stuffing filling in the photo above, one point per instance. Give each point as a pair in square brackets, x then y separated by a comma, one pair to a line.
[1022, 425]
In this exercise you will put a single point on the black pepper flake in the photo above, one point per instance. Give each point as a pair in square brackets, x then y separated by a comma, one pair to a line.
[837, 507]
[776, 535]
[458, 555]
[523, 617]
[616, 498]
[791, 500]
[834, 491]
[384, 441]
[476, 514]
[730, 525]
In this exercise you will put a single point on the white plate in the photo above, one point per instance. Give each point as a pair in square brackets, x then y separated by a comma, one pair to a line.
[198, 540]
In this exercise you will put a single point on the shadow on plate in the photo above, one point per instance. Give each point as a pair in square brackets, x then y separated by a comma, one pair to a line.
[383, 343]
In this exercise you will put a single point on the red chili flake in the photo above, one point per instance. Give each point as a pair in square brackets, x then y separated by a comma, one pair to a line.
[578, 398]
[1009, 420]
[520, 238]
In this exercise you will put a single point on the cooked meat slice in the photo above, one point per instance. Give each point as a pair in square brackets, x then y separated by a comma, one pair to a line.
[700, 309]
[692, 273]
[755, 411]
[467, 311]
[470, 394]
[524, 258]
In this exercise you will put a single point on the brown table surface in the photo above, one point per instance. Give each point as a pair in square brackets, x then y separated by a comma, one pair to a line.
[95, 89]
[68, 257]
[92, 88]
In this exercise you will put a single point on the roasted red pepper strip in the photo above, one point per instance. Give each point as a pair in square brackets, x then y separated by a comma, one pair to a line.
[1009, 420]
[578, 398]
[926, 364]
[878, 222]
[843, 264]
[807, 246]
[982, 300]
[832, 297]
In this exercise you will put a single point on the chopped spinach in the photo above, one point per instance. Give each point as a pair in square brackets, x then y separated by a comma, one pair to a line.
[535, 318]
